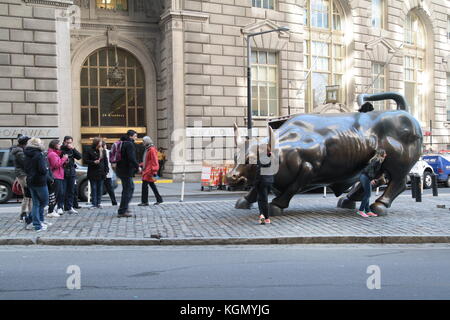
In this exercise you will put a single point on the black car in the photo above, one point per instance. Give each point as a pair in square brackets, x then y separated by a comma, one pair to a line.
[7, 177]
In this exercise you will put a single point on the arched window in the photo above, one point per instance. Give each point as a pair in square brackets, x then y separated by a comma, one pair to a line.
[324, 50]
[414, 65]
[105, 102]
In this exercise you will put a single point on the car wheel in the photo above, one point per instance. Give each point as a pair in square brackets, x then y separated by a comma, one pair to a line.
[448, 181]
[5, 192]
[427, 180]
[83, 191]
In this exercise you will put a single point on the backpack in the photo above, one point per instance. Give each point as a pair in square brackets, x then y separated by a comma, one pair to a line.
[115, 155]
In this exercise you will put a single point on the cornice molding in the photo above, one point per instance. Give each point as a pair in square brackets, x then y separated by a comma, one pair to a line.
[53, 3]
[383, 41]
[184, 15]
[266, 24]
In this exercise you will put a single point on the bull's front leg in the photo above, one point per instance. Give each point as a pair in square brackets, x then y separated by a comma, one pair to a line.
[246, 201]
[395, 187]
[302, 179]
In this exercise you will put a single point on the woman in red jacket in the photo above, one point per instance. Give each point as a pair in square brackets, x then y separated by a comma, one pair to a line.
[150, 169]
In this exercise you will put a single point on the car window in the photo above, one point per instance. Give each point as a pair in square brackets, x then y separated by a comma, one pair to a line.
[2, 154]
[10, 162]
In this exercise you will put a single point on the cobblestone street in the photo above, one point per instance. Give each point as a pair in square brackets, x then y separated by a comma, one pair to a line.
[309, 215]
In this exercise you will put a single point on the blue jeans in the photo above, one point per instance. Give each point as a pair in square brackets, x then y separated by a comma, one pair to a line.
[40, 200]
[127, 194]
[365, 183]
[96, 191]
[69, 190]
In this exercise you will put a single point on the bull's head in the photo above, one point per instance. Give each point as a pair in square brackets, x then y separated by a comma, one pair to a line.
[245, 158]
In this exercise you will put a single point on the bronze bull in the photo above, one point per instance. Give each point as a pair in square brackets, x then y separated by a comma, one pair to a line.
[317, 150]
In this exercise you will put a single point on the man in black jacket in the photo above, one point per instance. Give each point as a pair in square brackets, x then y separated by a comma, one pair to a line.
[126, 169]
[69, 173]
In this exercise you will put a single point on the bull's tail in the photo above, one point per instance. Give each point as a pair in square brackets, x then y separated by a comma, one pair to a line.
[397, 97]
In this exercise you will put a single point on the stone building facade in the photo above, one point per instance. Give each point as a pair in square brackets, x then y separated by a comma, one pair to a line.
[95, 67]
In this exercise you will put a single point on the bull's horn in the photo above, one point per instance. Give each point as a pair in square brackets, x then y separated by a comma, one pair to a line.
[271, 139]
[237, 137]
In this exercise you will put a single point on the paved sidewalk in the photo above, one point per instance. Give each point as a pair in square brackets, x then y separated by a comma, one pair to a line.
[310, 219]
[174, 189]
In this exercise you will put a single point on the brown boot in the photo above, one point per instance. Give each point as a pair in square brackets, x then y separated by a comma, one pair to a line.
[127, 214]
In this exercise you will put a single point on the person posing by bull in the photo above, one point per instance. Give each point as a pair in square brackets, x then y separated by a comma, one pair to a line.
[263, 184]
[37, 177]
[150, 169]
[56, 163]
[367, 179]
[19, 164]
[70, 174]
[96, 159]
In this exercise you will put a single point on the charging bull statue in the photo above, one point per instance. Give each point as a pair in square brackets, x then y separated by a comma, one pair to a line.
[317, 150]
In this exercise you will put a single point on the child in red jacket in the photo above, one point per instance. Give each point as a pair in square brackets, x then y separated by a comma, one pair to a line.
[150, 167]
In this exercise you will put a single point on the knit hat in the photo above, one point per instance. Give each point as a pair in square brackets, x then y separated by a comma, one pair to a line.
[147, 141]
[23, 139]
[36, 143]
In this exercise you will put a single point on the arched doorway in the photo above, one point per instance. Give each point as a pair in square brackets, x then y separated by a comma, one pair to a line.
[112, 95]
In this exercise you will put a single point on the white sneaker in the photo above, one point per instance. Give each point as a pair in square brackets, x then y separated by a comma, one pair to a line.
[72, 211]
[60, 211]
[92, 207]
[53, 215]
[43, 228]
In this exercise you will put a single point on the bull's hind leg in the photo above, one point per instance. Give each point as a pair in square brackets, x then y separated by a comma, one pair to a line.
[246, 201]
[397, 185]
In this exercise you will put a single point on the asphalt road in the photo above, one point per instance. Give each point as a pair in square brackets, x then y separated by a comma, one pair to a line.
[231, 272]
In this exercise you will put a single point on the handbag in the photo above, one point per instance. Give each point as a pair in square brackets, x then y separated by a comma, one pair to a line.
[17, 188]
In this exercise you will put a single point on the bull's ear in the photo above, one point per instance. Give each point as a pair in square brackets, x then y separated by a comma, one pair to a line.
[271, 140]
[237, 137]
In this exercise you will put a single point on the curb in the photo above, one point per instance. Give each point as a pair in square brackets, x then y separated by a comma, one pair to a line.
[354, 239]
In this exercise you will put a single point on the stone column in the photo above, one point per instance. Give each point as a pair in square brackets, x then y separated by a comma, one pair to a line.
[173, 28]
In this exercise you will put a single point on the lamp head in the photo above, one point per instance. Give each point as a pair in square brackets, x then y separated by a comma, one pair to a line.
[284, 28]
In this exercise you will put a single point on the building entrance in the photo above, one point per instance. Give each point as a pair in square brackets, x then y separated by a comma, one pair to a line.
[112, 95]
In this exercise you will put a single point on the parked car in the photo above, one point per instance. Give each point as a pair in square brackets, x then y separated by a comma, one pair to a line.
[423, 169]
[441, 165]
[7, 177]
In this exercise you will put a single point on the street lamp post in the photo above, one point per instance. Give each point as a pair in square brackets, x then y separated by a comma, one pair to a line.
[249, 77]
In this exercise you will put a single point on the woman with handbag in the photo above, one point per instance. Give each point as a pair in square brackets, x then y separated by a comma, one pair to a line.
[21, 176]
[150, 167]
